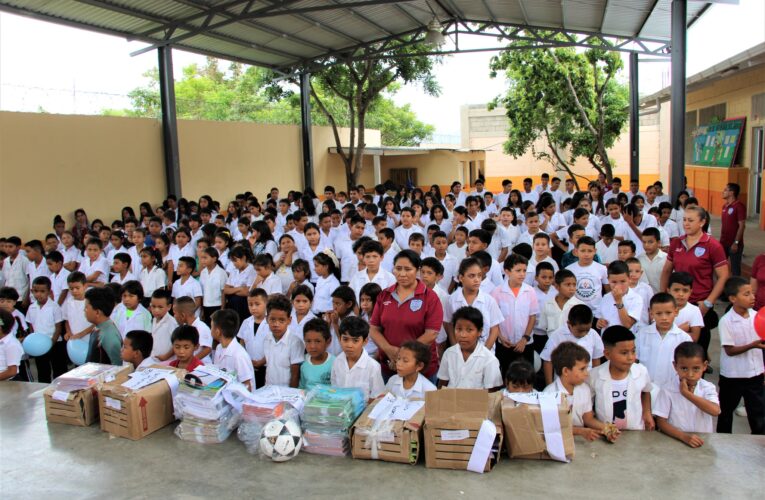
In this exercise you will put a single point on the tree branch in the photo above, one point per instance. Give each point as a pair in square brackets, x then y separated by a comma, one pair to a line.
[572, 91]
[333, 123]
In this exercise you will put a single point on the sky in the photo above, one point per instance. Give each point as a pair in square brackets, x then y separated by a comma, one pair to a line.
[65, 70]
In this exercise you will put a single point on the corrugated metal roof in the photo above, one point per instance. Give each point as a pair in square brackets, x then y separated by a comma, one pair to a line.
[285, 34]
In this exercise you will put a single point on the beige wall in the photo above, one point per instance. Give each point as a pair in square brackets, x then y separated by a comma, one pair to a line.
[53, 164]
[440, 167]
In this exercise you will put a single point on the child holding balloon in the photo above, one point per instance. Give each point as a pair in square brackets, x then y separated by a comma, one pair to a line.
[741, 364]
[45, 318]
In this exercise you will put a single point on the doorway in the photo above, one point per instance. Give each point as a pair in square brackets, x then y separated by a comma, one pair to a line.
[758, 164]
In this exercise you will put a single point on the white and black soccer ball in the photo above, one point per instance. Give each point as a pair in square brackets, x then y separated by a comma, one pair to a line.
[281, 439]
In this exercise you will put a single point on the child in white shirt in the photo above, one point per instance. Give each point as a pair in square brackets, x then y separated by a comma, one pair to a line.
[44, 316]
[621, 387]
[689, 318]
[151, 276]
[689, 403]
[183, 310]
[469, 364]
[94, 265]
[372, 253]
[541, 247]
[264, 275]
[58, 276]
[571, 364]
[408, 382]
[213, 279]
[162, 325]
[121, 268]
[76, 325]
[251, 335]
[283, 349]
[577, 329]
[555, 311]
[130, 315]
[656, 342]
[458, 249]
[620, 306]
[607, 248]
[354, 367]
[591, 277]
[186, 285]
[326, 283]
[230, 355]
[11, 351]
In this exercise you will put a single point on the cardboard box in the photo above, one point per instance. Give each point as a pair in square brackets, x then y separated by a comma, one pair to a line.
[77, 407]
[401, 443]
[453, 418]
[136, 414]
[524, 432]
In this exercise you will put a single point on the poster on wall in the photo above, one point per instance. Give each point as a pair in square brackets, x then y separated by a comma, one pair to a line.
[716, 145]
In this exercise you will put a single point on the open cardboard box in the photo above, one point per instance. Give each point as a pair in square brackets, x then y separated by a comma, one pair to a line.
[400, 444]
[524, 432]
[453, 419]
[136, 414]
[76, 407]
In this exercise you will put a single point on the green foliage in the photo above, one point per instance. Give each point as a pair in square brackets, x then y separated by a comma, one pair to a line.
[568, 97]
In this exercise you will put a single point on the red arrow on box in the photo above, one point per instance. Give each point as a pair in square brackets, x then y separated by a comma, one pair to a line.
[143, 404]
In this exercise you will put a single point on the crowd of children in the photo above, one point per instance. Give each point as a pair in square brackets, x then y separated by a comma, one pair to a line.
[281, 290]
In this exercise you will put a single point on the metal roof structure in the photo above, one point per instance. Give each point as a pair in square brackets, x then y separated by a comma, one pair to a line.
[290, 36]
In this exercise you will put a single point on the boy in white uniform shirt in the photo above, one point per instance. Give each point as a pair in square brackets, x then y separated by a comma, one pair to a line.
[689, 318]
[555, 311]
[121, 268]
[44, 317]
[10, 348]
[76, 325]
[373, 254]
[620, 306]
[407, 227]
[354, 367]
[183, 309]
[571, 364]
[653, 259]
[186, 285]
[37, 266]
[15, 267]
[689, 403]
[576, 329]
[741, 364]
[408, 382]
[162, 325]
[58, 276]
[621, 387]
[656, 342]
[607, 248]
[229, 354]
[283, 349]
[469, 364]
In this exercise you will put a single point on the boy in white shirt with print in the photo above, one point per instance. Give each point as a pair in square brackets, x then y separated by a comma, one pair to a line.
[571, 364]
[230, 355]
[469, 364]
[689, 403]
[591, 277]
[354, 367]
[621, 387]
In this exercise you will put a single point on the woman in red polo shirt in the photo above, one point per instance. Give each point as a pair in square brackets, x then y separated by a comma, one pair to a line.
[703, 257]
[406, 311]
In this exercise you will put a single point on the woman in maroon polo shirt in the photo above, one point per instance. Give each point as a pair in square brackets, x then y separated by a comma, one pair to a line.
[406, 311]
[703, 257]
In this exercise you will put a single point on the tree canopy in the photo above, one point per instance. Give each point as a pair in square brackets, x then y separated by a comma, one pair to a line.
[568, 97]
[241, 93]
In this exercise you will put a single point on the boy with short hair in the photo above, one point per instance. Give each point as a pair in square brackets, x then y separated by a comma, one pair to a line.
[545, 276]
[640, 285]
[689, 318]
[15, 267]
[106, 341]
[555, 311]
[354, 367]
[469, 364]
[440, 245]
[249, 329]
[653, 259]
[229, 355]
[620, 306]
[591, 277]
[626, 250]
[136, 349]
[76, 325]
[162, 326]
[373, 253]
[519, 377]
[431, 274]
[283, 349]
[186, 285]
[621, 387]
[185, 341]
[458, 248]
[656, 342]
[741, 363]
[571, 364]
[417, 243]
[58, 276]
[37, 266]
[577, 329]
[688, 404]
[407, 227]
[183, 310]
[121, 267]
[541, 247]
[607, 248]
[44, 316]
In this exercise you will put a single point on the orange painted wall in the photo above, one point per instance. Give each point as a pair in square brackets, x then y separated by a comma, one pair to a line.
[708, 184]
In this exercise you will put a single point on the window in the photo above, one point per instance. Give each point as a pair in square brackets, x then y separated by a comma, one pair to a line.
[404, 176]
[711, 114]
[758, 106]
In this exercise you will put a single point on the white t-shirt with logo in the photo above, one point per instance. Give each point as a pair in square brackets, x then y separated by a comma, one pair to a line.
[619, 395]
[589, 282]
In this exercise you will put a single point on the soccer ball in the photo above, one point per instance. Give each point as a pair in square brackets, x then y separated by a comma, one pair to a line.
[281, 439]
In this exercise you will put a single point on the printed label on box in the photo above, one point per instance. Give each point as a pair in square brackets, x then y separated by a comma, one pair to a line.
[114, 404]
[455, 435]
[60, 396]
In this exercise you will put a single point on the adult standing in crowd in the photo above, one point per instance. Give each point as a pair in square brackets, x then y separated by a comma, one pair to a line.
[703, 257]
[733, 219]
[406, 311]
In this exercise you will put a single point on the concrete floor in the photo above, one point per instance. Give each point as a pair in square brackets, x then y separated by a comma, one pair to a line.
[74, 462]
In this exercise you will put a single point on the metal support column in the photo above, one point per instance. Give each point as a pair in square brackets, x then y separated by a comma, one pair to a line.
[169, 123]
[677, 97]
[305, 129]
[634, 119]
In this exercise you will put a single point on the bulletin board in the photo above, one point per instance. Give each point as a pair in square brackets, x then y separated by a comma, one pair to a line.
[716, 145]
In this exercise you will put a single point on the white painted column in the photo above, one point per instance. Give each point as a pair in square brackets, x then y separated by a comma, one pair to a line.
[378, 174]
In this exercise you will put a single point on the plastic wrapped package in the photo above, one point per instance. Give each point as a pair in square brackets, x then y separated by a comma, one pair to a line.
[208, 431]
[202, 406]
[328, 415]
[271, 402]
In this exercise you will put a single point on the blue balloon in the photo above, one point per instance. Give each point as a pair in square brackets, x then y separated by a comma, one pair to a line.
[37, 344]
[77, 349]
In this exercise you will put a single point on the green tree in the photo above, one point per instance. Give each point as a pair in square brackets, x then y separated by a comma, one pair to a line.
[571, 98]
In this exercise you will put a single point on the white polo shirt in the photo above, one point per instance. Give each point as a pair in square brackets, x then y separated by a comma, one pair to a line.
[191, 288]
[531, 268]
[580, 402]
[281, 355]
[241, 277]
[422, 385]
[129, 276]
[607, 254]
[516, 311]
[73, 312]
[690, 314]
[657, 353]
[632, 302]
[272, 284]
[402, 235]
[552, 316]
[100, 265]
[480, 371]
[59, 284]
[253, 337]
[680, 412]
[365, 374]
[322, 298]
[212, 286]
[234, 358]
[175, 253]
[591, 342]
[161, 332]
[205, 338]
[382, 278]
[11, 352]
[45, 318]
[152, 280]
[483, 302]
[734, 329]
[601, 384]
[652, 268]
